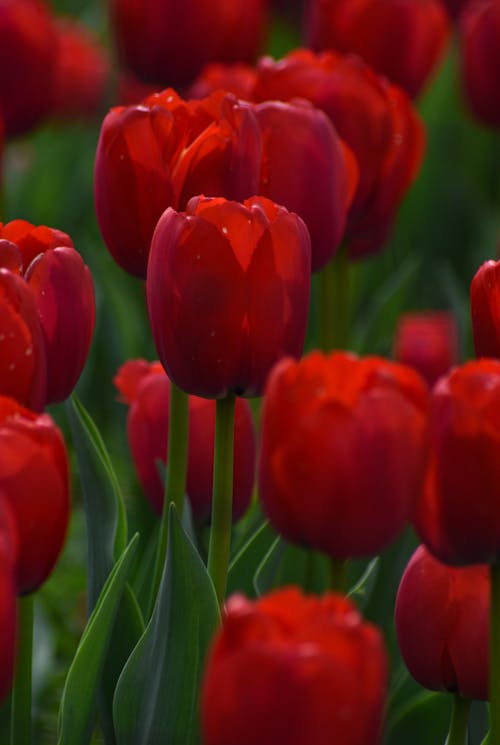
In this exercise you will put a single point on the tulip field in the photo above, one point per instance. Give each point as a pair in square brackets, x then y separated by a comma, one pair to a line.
[249, 372]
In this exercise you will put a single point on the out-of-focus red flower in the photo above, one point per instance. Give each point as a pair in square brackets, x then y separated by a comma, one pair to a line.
[28, 45]
[485, 309]
[228, 293]
[401, 39]
[168, 42]
[428, 342]
[377, 122]
[294, 669]
[34, 483]
[442, 624]
[239, 79]
[61, 288]
[455, 7]
[457, 515]
[81, 74]
[160, 154]
[342, 451]
[8, 606]
[321, 185]
[480, 59]
[145, 387]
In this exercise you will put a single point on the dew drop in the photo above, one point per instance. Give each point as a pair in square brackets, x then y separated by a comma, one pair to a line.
[2, 337]
[29, 351]
[12, 366]
[224, 230]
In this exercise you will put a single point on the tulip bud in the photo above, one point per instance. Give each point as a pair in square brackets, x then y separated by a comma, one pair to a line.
[428, 342]
[484, 305]
[146, 388]
[293, 669]
[442, 624]
[228, 293]
[343, 448]
[34, 483]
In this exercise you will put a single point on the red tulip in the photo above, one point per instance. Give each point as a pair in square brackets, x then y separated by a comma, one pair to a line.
[146, 388]
[239, 79]
[81, 74]
[458, 514]
[228, 293]
[27, 62]
[375, 119]
[169, 42]
[321, 185]
[485, 304]
[61, 286]
[455, 7]
[8, 606]
[401, 39]
[428, 342]
[293, 669]
[442, 624]
[34, 483]
[342, 451]
[480, 59]
[160, 154]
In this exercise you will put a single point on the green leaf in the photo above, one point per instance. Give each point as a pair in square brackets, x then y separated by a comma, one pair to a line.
[104, 508]
[80, 693]
[424, 719]
[156, 700]
[285, 564]
[243, 567]
[361, 591]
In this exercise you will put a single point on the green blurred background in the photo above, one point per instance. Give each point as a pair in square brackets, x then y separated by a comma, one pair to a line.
[448, 225]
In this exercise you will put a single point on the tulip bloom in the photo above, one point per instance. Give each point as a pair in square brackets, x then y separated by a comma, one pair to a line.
[81, 75]
[35, 485]
[8, 605]
[228, 293]
[457, 516]
[62, 294]
[480, 59]
[376, 121]
[428, 342]
[342, 451]
[293, 669]
[484, 305]
[442, 625]
[239, 79]
[401, 39]
[160, 154]
[169, 42]
[146, 388]
[321, 185]
[28, 45]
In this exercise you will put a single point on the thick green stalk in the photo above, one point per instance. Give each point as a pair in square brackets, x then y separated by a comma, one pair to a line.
[20, 722]
[333, 299]
[175, 482]
[459, 721]
[494, 654]
[222, 496]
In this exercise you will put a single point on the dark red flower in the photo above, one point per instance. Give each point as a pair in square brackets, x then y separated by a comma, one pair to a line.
[401, 39]
[293, 669]
[428, 342]
[34, 483]
[376, 121]
[228, 293]
[480, 59]
[168, 42]
[321, 185]
[81, 74]
[455, 7]
[485, 309]
[28, 46]
[239, 79]
[457, 516]
[342, 451]
[160, 154]
[8, 600]
[442, 624]
[62, 290]
[145, 387]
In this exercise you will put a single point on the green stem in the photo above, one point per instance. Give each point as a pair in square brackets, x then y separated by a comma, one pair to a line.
[20, 732]
[495, 654]
[459, 721]
[338, 575]
[175, 482]
[333, 297]
[222, 496]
